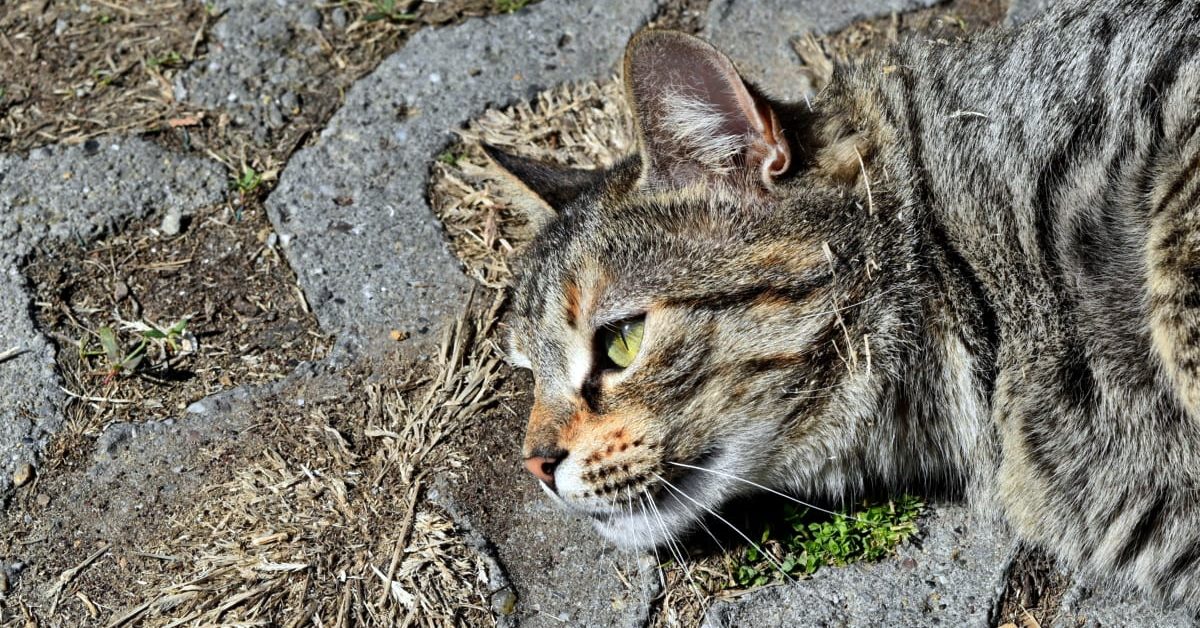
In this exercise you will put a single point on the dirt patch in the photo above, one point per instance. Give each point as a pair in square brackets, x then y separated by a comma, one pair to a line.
[681, 15]
[301, 507]
[1033, 592]
[78, 70]
[948, 22]
[244, 319]
[73, 73]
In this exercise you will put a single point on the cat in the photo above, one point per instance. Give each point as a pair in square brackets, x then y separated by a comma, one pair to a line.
[972, 265]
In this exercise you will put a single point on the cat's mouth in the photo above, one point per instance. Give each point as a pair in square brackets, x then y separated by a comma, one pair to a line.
[668, 503]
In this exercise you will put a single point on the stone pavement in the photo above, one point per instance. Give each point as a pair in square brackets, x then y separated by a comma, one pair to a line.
[352, 218]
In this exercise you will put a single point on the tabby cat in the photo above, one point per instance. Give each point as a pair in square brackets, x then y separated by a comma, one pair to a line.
[972, 265]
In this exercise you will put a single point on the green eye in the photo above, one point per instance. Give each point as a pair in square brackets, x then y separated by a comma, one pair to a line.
[622, 341]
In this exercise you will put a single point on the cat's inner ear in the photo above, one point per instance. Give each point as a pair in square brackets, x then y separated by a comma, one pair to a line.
[542, 189]
[696, 118]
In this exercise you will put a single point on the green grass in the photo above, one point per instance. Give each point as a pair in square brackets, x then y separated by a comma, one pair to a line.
[510, 6]
[124, 357]
[170, 59]
[248, 181]
[450, 158]
[807, 541]
[388, 10]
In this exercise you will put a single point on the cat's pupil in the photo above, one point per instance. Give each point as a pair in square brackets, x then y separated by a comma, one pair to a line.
[621, 341]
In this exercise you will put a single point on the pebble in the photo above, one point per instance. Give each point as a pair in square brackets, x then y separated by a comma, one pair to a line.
[311, 19]
[43, 500]
[23, 474]
[504, 602]
[172, 222]
[339, 17]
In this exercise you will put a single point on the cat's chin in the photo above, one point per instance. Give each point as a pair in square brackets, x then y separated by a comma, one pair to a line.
[673, 513]
[637, 532]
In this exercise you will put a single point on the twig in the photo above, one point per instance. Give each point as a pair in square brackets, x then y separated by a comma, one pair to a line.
[97, 399]
[9, 354]
[867, 181]
[401, 540]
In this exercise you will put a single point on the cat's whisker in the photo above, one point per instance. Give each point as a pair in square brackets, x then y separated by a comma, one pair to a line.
[662, 580]
[771, 559]
[702, 525]
[676, 551]
[773, 492]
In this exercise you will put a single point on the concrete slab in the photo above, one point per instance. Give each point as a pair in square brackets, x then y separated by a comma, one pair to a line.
[259, 63]
[82, 191]
[953, 577]
[58, 193]
[352, 208]
[758, 35]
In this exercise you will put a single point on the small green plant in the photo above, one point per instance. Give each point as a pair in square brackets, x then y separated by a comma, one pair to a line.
[510, 6]
[248, 181]
[387, 10]
[119, 359]
[171, 59]
[450, 158]
[807, 542]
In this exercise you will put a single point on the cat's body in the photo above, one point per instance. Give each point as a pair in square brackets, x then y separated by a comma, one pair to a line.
[970, 265]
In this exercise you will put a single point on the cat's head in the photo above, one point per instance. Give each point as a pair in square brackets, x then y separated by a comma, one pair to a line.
[678, 311]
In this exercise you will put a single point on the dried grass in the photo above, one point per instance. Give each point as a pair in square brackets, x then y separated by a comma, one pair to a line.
[329, 525]
[584, 126]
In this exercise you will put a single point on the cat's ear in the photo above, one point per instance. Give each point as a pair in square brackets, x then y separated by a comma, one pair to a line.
[542, 189]
[696, 119]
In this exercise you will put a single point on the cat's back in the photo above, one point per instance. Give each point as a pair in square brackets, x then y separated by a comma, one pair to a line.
[1053, 155]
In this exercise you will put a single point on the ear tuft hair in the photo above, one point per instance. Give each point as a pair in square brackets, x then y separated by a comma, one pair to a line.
[695, 117]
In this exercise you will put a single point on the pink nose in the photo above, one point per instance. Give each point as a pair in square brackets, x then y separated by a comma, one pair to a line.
[542, 467]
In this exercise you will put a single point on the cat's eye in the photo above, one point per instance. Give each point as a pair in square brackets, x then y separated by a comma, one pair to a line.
[622, 340]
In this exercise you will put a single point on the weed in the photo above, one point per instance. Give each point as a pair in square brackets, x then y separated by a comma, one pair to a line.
[248, 181]
[807, 542]
[169, 60]
[387, 10]
[510, 6]
[451, 157]
[120, 359]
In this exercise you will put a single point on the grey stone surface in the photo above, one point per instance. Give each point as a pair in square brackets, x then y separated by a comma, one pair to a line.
[80, 192]
[953, 577]
[557, 569]
[1087, 607]
[1024, 10]
[29, 395]
[758, 35]
[58, 193]
[573, 577]
[351, 209]
[262, 55]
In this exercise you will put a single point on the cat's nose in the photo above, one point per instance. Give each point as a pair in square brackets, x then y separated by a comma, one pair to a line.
[542, 466]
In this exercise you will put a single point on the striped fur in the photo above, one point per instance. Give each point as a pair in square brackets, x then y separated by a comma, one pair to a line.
[981, 269]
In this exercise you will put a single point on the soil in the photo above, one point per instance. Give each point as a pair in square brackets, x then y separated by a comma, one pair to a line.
[946, 22]
[1033, 592]
[71, 75]
[246, 321]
